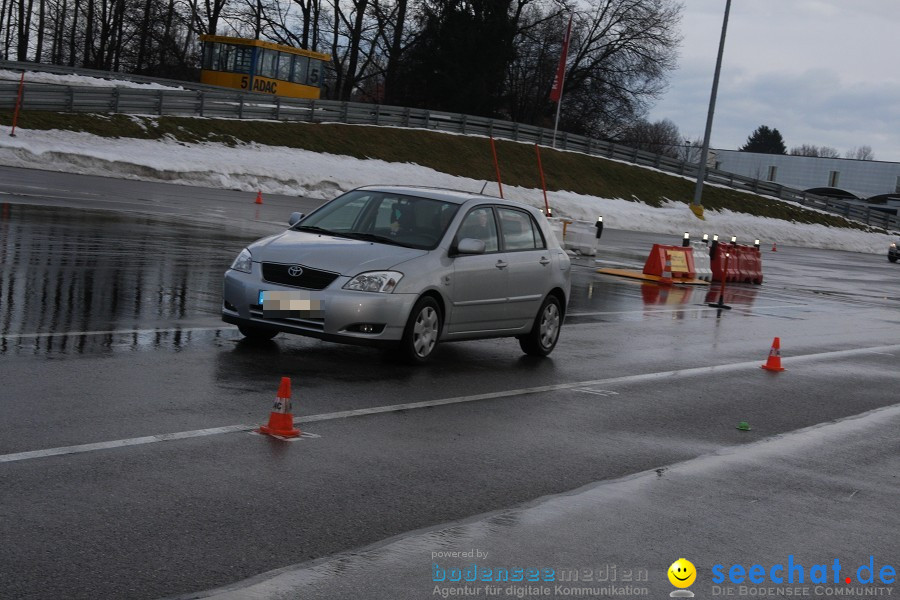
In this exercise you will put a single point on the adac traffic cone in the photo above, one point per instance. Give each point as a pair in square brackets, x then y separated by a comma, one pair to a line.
[259, 196]
[774, 247]
[774, 362]
[281, 421]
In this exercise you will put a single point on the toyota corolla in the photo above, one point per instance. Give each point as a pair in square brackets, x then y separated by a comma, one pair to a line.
[405, 267]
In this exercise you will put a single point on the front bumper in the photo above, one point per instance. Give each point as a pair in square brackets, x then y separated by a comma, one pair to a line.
[344, 311]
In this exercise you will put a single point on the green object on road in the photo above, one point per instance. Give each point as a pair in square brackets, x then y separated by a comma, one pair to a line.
[744, 426]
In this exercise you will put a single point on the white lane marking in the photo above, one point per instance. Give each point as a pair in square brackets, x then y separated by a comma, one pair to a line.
[596, 392]
[150, 439]
[138, 441]
[16, 336]
[27, 195]
[304, 435]
[642, 378]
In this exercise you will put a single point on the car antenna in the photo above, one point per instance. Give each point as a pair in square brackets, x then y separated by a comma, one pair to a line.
[483, 188]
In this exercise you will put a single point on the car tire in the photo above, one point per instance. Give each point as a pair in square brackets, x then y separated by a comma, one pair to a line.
[256, 334]
[892, 258]
[423, 328]
[542, 338]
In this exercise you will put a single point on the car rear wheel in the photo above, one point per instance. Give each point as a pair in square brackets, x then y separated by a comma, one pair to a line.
[544, 334]
[257, 334]
[422, 331]
[892, 258]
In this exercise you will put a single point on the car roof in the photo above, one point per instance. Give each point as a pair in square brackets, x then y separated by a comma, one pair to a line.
[436, 193]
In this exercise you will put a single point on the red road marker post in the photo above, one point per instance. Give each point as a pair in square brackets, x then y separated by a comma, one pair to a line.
[18, 105]
[543, 183]
[496, 165]
[721, 303]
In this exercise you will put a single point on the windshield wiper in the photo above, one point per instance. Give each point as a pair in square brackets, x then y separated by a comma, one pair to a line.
[314, 229]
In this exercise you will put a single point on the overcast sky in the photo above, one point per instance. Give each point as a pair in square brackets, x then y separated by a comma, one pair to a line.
[822, 72]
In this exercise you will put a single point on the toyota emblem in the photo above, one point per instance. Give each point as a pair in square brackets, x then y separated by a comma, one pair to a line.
[295, 270]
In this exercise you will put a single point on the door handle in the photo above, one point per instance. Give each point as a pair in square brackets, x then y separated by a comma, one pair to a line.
[544, 261]
[501, 265]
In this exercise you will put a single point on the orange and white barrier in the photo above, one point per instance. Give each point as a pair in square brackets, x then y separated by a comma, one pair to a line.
[744, 263]
[702, 265]
[577, 236]
[670, 261]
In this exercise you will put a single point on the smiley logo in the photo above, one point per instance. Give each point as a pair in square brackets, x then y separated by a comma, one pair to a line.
[682, 573]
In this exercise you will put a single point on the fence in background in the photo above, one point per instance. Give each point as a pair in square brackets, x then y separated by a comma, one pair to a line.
[214, 102]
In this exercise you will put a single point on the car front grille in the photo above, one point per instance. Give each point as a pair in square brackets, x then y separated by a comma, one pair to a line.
[311, 279]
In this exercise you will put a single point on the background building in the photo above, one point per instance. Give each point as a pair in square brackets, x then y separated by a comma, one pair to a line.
[841, 177]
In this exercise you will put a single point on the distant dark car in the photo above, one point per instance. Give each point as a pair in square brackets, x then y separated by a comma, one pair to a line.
[894, 251]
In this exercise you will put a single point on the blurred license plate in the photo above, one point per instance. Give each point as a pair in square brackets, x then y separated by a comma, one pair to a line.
[304, 305]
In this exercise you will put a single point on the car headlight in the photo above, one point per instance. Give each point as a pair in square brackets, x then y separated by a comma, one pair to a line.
[375, 281]
[242, 262]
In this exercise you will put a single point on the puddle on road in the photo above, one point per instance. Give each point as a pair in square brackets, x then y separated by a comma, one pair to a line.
[87, 271]
[604, 298]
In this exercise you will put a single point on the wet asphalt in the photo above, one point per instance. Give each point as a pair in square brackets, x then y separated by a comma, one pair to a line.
[109, 335]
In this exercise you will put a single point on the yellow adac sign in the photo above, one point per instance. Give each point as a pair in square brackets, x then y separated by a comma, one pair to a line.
[677, 260]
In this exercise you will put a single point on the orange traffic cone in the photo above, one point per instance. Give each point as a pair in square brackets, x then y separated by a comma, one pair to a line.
[774, 362]
[281, 421]
[774, 247]
[259, 196]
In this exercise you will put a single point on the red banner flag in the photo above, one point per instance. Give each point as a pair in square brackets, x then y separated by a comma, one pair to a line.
[556, 90]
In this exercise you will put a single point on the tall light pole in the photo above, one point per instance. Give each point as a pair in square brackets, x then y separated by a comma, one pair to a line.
[696, 207]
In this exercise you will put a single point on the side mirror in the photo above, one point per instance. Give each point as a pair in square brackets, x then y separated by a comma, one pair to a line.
[295, 218]
[470, 246]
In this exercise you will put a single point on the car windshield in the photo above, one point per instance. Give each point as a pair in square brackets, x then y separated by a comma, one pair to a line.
[383, 218]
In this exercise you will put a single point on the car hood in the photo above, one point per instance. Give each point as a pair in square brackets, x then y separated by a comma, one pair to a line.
[330, 253]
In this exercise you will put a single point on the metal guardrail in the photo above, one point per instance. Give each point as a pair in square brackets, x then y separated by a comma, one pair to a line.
[211, 101]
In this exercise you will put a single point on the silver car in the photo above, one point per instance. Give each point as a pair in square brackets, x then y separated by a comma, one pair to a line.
[405, 267]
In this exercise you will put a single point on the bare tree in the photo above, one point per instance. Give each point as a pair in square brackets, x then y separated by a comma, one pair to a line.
[815, 151]
[623, 51]
[805, 150]
[310, 11]
[144, 38]
[4, 20]
[691, 151]
[347, 44]
[207, 19]
[42, 16]
[661, 137]
[391, 27]
[530, 74]
[26, 7]
[861, 153]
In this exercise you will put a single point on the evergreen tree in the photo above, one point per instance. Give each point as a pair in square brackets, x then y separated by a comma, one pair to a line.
[765, 141]
[459, 59]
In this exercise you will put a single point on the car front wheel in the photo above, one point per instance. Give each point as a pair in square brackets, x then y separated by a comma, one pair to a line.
[544, 334]
[422, 331]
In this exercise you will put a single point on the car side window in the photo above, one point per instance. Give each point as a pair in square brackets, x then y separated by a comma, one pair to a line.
[480, 225]
[519, 230]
